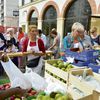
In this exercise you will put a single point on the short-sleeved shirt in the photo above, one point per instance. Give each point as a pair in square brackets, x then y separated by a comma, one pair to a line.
[20, 36]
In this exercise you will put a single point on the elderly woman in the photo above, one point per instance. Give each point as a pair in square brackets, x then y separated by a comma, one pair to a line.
[80, 41]
[94, 36]
[2, 42]
[10, 36]
[12, 44]
[35, 44]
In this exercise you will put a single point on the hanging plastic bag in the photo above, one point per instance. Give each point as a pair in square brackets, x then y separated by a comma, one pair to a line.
[54, 87]
[16, 77]
[36, 80]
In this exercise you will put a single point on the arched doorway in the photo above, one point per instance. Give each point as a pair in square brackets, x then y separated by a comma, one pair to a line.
[49, 20]
[78, 11]
[33, 17]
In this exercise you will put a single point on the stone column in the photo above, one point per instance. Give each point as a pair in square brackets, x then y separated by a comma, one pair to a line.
[40, 24]
[60, 28]
[26, 27]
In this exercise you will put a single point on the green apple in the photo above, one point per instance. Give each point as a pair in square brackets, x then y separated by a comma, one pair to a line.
[59, 61]
[60, 65]
[58, 96]
[46, 97]
[63, 69]
[53, 94]
[55, 65]
[70, 66]
[66, 64]
[39, 97]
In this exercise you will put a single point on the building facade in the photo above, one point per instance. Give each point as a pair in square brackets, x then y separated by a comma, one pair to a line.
[7, 17]
[59, 14]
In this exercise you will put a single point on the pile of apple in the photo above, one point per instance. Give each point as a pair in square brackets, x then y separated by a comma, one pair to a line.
[29, 96]
[5, 86]
[53, 96]
[34, 95]
[61, 65]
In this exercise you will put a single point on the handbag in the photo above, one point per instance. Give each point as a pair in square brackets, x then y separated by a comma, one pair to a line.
[33, 63]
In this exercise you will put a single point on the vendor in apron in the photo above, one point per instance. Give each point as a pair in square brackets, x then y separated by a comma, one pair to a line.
[32, 43]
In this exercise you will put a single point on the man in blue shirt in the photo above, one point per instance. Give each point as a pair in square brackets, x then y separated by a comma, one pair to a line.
[67, 41]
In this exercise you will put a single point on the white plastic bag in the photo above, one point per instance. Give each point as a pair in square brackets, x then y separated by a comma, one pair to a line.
[54, 87]
[70, 59]
[16, 77]
[36, 80]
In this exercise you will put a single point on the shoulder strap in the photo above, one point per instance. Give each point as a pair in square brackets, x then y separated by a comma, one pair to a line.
[99, 39]
[82, 44]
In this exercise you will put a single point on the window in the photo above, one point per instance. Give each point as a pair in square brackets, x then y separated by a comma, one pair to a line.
[33, 18]
[2, 7]
[23, 2]
[32, 0]
[79, 11]
[2, 1]
[49, 20]
[2, 15]
[2, 22]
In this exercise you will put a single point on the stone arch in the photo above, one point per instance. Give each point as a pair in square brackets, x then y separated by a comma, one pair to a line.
[69, 2]
[50, 3]
[30, 12]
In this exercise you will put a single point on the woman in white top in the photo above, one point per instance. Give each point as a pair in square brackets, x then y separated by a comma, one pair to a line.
[55, 47]
[35, 44]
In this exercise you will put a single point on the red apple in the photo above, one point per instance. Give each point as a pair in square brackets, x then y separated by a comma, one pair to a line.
[30, 94]
[7, 87]
[2, 87]
[33, 92]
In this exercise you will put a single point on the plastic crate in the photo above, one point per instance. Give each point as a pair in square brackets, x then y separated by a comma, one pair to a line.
[81, 64]
[94, 67]
[83, 56]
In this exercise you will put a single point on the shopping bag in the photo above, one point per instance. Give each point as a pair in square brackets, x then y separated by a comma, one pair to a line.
[38, 82]
[16, 77]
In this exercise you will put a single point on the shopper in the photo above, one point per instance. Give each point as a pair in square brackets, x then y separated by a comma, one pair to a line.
[42, 36]
[95, 37]
[55, 47]
[20, 34]
[12, 45]
[34, 44]
[67, 41]
[2, 46]
[80, 41]
[2, 42]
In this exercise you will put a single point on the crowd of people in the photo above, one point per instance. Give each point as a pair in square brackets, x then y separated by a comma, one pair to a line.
[35, 40]
[79, 39]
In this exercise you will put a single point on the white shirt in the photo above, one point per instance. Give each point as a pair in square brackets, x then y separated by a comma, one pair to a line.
[43, 37]
[78, 45]
[1, 42]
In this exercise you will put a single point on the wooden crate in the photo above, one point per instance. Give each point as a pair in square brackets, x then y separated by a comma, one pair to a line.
[73, 80]
[75, 95]
[80, 84]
